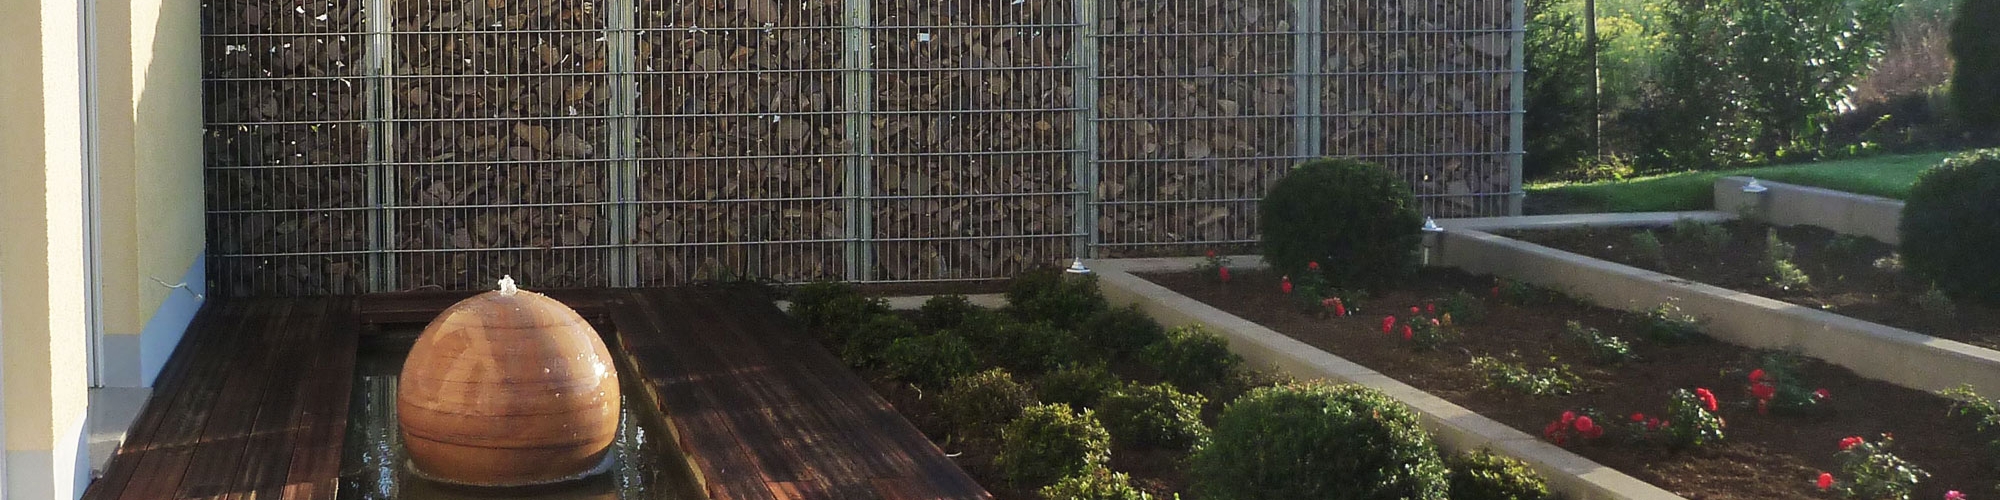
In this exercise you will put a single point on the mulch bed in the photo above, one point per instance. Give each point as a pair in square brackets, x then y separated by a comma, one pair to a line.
[1763, 457]
[1845, 277]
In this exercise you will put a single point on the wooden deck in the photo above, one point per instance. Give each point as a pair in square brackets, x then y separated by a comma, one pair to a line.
[766, 413]
[253, 403]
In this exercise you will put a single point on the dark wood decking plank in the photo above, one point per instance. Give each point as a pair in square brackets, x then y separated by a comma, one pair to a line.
[124, 463]
[891, 444]
[320, 423]
[169, 453]
[268, 455]
[422, 307]
[727, 471]
[218, 455]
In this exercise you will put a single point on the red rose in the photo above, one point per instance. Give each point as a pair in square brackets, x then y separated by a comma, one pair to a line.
[1638, 417]
[1584, 424]
[1211, 253]
[1825, 481]
[1285, 284]
[1408, 333]
[1707, 398]
[1223, 273]
[1388, 322]
[1496, 292]
[1568, 417]
[1339, 309]
[1328, 302]
[1314, 265]
[1757, 375]
[1654, 424]
[1850, 442]
[1763, 391]
[1822, 394]
[1431, 308]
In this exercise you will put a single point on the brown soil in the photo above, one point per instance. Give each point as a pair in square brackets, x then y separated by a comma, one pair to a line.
[1763, 457]
[1845, 279]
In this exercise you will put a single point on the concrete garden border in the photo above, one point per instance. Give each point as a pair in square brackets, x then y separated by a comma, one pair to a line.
[1875, 351]
[1456, 428]
[1791, 205]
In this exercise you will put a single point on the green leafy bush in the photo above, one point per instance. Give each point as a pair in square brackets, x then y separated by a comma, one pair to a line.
[1463, 307]
[1948, 227]
[1356, 214]
[945, 312]
[1194, 358]
[1117, 333]
[1604, 348]
[1975, 77]
[1096, 484]
[1079, 385]
[1049, 294]
[834, 310]
[1482, 475]
[1870, 472]
[1156, 416]
[1029, 348]
[1560, 106]
[979, 404]
[929, 361]
[1317, 441]
[866, 345]
[1549, 381]
[1691, 419]
[1712, 237]
[1049, 442]
[1778, 266]
[1984, 416]
[1667, 324]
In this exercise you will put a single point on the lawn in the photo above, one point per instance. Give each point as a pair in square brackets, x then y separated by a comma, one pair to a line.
[1888, 176]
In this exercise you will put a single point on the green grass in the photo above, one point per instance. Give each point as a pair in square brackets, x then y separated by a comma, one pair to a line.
[1886, 176]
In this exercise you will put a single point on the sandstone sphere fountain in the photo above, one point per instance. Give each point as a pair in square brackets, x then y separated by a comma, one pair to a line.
[508, 388]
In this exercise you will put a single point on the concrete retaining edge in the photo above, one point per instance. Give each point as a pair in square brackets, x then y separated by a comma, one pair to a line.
[1880, 352]
[1455, 427]
[1791, 205]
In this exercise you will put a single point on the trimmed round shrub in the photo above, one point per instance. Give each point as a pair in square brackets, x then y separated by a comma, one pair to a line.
[1948, 226]
[1358, 220]
[1193, 358]
[1078, 385]
[1030, 348]
[929, 361]
[1097, 484]
[1154, 416]
[1049, 442]
[866, 345]
[1975, 52]
[978, 405]
[1482, 475]
[945, 312]
[834, 310]
[1317, 441]
[1049, 294]
[1120, 332]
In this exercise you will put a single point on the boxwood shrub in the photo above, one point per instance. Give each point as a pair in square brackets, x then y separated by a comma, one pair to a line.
[1948, 226]
[1049, 442]
[1118, 333]
[1482, 475]
[1193, 358]
[866, 345]
[833, 310]
[946, 312]
[978, 405]
[1096, 484]
[1049, 294]
[1154, 416]
[1357, 219]
[1318, 441]
[929, 361]
[1078, 385]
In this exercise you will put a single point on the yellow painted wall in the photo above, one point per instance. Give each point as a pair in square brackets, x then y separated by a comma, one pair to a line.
[151, 180]
[42, 283]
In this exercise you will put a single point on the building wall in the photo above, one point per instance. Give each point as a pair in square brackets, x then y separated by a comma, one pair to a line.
[43, 333]
[149, 81]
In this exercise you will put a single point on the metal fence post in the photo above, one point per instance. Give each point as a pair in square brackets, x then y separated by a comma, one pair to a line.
[1084, 167]
[856, 59]
[1308, 49]
[623, 267]
[381, 149]
[1515, 143]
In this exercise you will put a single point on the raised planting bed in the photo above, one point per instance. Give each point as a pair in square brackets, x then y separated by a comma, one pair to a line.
[1847, 275]
[1049, 338]
[1791, 205]
[1774, 455]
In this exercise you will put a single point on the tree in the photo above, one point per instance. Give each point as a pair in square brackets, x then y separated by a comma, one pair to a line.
[1975, 79]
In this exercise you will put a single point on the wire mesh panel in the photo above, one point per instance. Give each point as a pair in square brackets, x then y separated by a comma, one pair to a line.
[285, 146]
[1422, 88]
[1195, 121]
[972, 132]
[499, 140]
[742, 141]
